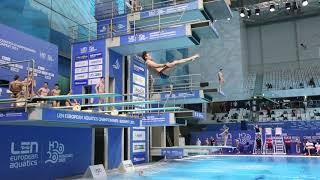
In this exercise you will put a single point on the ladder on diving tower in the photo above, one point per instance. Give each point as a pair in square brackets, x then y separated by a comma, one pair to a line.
[278, 142]
[258, 147]
[268, 141]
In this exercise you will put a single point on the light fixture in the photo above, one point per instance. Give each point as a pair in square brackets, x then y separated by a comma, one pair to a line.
[249, 13]
[257, 11]
[305, 2]
[229, 19]
[272, 8]
[288, 6]
[242, 13]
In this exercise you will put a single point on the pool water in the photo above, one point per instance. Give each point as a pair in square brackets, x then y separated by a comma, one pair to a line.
[231, 167]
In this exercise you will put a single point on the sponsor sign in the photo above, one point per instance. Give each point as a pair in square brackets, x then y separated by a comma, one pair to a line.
[177, 31]
[139, 91]
[82, 117]
[48, 152]
[139, 147]
[140, 80]
[139, 135]
[88, 61]
[180, 95]
[95, 62]
[156, 119]
[172, 152]
[13, 115]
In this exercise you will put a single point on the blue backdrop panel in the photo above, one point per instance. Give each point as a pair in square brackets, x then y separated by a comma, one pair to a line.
[44, 152]
[138, 145]
[88, 64]
[116, 72]
[114, 147]
[138, 87]
[17, 46]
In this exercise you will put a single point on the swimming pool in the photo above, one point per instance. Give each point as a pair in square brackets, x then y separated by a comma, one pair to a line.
[231, 167]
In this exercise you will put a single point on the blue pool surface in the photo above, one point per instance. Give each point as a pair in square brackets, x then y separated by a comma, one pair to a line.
[231, 167]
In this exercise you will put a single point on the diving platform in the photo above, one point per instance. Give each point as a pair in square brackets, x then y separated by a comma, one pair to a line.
[64, 118]
[180, 36]
[190, 150]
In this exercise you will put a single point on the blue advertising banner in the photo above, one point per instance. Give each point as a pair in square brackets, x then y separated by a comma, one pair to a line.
[172, 152]
[116, 72]
[120, 26]
[162, 119]
[138, 80]
[138, 87]
[13, 115]
[180, 95]
[170, 10]
[17, 46]
[140, 37]
[138, 145]
[88, 64]
[30, 152]
[83, 117]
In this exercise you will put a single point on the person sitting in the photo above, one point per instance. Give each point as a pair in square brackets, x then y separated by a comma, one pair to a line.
[237, 146]
[246, 148]
[207, 143]
[198, 142]
[309, 147]
[259, 144]
[311, 83]
[71, 102]
[287, 142]
[213, 141]
[269, 144]
[301, 86]
[317, 148]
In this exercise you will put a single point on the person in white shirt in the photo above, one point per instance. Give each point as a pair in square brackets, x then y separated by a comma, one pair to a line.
[198, 142]
[309, 146]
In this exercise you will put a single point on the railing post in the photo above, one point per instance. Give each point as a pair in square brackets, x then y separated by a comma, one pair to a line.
[152, 5]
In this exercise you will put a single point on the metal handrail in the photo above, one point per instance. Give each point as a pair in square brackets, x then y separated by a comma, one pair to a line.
[112, 32]
[141, 6]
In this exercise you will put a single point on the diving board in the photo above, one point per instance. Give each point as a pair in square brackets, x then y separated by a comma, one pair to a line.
[64, 118]
[76, 96]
